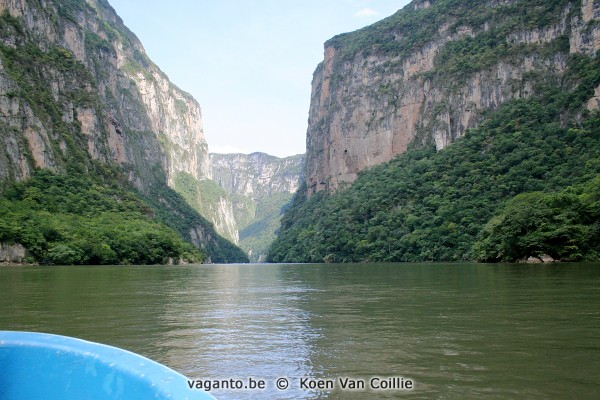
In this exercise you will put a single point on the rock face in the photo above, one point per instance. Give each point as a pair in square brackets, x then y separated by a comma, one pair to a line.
[138, 102]
[211, 201]
[423, 76]
[12, 253]
[224, 220]
[258, 185]
[94, 99]
[256, 175]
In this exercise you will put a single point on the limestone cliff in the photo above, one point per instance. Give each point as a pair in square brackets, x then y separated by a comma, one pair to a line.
[256, 175]
[259, 185]
[427, 73]
[78, 92]
[137, 99]
[211, 201]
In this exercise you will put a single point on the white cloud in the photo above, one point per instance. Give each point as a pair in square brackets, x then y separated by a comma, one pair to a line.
[366, 12]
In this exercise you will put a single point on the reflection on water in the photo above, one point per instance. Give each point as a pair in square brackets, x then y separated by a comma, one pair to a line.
[458, 330]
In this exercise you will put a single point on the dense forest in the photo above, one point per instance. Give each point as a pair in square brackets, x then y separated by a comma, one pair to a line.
[62, 219]
[526, 182]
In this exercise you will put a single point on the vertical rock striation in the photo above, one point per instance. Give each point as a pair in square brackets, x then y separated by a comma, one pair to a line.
[135, 97]
[426, 74]
[257, 174]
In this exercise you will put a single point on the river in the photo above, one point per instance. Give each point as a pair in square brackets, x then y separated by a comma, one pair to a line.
[454, 331]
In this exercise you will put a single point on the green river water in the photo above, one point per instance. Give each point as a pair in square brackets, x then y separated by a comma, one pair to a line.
[456, 331]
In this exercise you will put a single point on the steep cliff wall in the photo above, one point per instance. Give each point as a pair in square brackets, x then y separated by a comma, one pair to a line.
[427, 74]
[257, 174]
[78, 94]
[211, 201]
[258, 185]
[140, 118]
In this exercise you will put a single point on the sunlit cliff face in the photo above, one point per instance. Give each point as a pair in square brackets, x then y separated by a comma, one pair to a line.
[370, 107]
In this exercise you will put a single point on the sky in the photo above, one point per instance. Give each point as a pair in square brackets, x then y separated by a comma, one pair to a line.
[249, 63]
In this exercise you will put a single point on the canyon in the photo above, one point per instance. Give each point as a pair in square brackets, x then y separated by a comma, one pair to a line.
[258, 187]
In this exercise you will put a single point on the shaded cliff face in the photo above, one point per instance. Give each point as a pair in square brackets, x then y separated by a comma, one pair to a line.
[427, 74]
[258, 186]
[78, 94]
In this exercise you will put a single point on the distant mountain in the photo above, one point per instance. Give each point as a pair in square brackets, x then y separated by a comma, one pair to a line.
[259, 186]
[79, 97]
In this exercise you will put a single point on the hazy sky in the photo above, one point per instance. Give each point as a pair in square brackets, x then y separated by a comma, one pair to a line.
[249, 63]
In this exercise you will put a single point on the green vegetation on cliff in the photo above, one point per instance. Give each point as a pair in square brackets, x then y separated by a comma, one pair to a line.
[30, 70]
[87, 211]
[172, 210]
[409, 29]
[67, 219]
[259, 186]
[256, 237]
[460, 203]
[71, 220]
[563, 225]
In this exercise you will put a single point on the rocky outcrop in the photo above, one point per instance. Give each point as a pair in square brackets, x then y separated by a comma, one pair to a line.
[259, 185]
[176, 116]
[384, 88]
[12, 253]
[541, 259]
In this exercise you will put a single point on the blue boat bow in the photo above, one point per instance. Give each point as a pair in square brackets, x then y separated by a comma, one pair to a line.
[51, 367]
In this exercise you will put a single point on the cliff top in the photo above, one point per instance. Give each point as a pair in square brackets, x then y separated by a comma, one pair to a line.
[422, 20]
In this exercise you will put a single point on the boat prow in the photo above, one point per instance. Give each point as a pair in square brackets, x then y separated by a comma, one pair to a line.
[52, 367]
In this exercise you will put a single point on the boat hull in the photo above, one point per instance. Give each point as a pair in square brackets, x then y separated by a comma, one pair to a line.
[44, 366]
